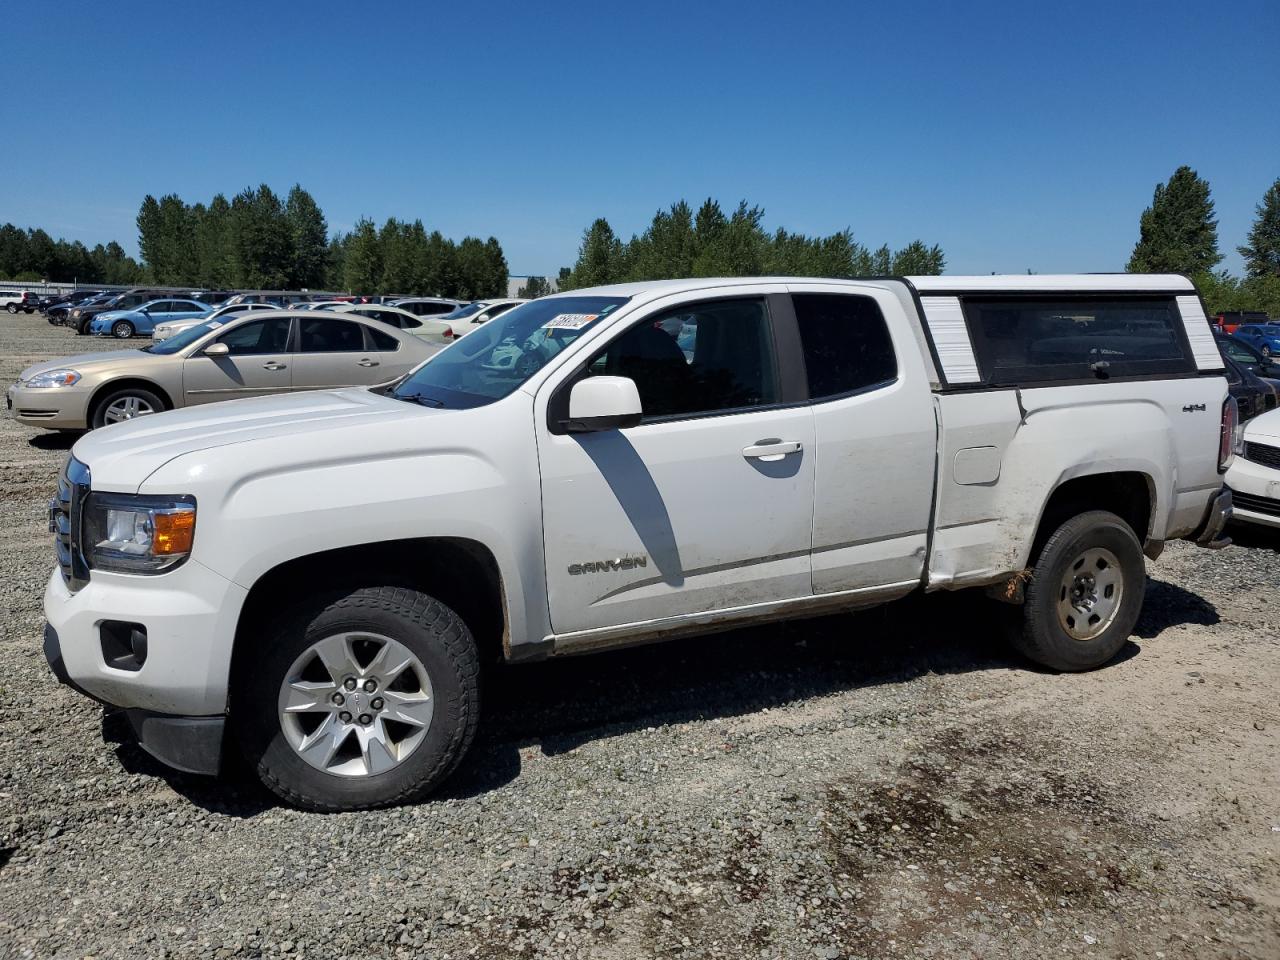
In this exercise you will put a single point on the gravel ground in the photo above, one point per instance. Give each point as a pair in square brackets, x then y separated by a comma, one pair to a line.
[886, 784]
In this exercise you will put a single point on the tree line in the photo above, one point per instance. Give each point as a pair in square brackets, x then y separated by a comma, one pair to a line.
[680, 243]
[257, 241]
[1178, 233]
[32, 255]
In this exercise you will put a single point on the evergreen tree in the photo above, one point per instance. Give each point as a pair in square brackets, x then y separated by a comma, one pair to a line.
[1178, 232]
[398, 268]
[916, 260]
[1262, 252]
[261, 240]
[499, 273]
[599, 258]
[534, 288]
[308, 235]
[362, 264]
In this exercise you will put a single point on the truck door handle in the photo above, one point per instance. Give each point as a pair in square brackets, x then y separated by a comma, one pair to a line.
[366, 362]
[273, 365]
[771, 449]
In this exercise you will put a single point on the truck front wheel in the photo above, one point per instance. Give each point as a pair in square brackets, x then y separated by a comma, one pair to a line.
[1085, 593]
[367, 698]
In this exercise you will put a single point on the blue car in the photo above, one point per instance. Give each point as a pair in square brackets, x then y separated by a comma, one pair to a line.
[1263, 337]
[142, 320]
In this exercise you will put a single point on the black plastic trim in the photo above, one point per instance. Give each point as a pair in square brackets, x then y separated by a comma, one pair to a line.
[189, 744]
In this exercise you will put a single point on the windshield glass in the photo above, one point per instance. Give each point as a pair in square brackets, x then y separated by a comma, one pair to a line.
[493, 360]
[183, 338]
[461, 313]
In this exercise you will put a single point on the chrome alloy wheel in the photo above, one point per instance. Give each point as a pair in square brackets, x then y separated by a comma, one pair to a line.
[356, 704]
[1090, 594]
[126, 408]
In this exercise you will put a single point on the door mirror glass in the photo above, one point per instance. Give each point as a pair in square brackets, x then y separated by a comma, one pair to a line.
[603, 403]
[217, 350]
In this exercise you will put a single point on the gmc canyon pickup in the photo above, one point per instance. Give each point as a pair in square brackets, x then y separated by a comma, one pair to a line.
[317, 578]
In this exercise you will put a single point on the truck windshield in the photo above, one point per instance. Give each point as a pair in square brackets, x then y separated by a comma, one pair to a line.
[492, 361]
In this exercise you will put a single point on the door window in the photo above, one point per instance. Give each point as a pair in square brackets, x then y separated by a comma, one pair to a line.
[382, 341]
[846, 343]
[727, 364]
[261, 336]
[330, 335]
[161, 306]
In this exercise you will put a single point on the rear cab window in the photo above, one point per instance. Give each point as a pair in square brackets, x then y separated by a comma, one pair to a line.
[1022, 340]
[846, 344]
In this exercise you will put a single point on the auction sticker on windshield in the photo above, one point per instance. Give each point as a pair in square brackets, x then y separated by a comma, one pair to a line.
[569, 321]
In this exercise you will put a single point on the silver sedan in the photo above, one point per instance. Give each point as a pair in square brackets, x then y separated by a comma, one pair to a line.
[253, 354]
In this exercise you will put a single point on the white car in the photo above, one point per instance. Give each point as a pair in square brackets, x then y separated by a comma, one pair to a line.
[18, 300]
[163, 331]
[432, 329]
[427, 306]
[472, 315]
[1254, 476]
[316, 578]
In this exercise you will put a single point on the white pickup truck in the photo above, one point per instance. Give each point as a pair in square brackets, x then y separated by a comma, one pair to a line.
[317, 578]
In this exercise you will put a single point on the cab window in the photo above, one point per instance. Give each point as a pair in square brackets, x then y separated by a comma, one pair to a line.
[330, 335]
[698, 359]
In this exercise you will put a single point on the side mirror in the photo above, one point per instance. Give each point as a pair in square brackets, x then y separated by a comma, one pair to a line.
[217, 350]
[603, 403]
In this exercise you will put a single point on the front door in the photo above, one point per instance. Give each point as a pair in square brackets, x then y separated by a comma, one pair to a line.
[259, 362]
[707, 504]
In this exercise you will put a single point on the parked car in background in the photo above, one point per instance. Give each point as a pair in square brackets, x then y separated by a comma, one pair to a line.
[16, 301]
[1254, 475]
[432, 329]
[1249, 357]
[82, 315]
[57, 313]
[472, 315]
[1263, 336]
[427, 306]
[165, 330]
[123, 324]
[253, 354]
[1229, 321]
[1253, 395]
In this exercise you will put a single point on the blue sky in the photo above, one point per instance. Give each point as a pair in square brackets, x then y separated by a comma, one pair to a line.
[1015, 135]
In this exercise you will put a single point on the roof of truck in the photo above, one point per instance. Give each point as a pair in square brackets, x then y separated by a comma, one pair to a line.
[947, 283]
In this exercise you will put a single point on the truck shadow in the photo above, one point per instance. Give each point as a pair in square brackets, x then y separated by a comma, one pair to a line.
[558, 705]
[60, 440]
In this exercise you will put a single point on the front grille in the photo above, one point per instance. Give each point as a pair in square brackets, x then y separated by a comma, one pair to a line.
[65, 520]
[1247, 501]
[1262, 453]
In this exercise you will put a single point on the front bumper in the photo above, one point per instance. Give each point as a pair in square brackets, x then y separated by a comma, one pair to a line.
[1257, 492]
[189, 616]
[190, 744]
[55, 408]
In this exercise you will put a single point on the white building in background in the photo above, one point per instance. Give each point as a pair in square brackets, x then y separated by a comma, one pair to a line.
[514, 283]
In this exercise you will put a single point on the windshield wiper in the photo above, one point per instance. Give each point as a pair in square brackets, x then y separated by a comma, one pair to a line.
[420, 398]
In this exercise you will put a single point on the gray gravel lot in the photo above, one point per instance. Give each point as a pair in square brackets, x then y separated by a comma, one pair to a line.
[881, 785]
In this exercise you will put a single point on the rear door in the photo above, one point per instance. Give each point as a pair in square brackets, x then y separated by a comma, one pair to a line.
[260, 362]
[333, 352]
[875, 439]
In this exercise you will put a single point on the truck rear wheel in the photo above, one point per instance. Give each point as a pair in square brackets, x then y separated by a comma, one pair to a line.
[365, 699]
[1085, 593]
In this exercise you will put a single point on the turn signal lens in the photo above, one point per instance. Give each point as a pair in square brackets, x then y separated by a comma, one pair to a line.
[174, 533]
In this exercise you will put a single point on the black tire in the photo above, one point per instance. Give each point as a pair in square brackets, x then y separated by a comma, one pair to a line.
[1043, 637]
[12, 309]
[98, 417]
[122, 330]
[433, 632]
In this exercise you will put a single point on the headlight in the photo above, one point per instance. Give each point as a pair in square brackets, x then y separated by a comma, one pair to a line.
[138, 534]
[54, 378]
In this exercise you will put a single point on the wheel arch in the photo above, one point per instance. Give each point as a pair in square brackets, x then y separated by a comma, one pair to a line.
[1130, 494]
[461, 573]
[112, 385]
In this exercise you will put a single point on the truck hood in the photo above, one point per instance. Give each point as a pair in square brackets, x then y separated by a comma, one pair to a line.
[123, 455]
[84, 362]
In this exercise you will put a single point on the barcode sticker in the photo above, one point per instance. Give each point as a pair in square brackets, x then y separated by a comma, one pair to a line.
[569, 321]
